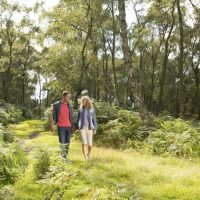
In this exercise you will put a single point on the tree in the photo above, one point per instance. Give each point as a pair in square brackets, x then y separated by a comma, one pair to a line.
[133, 77]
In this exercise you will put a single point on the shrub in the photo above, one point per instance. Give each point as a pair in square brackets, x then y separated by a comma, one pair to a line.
[6, 135]
[12, 162]
[6, 192]
[15, 114]
[4, 116]
[47, 118]
[9, 114]
[105, 112]
[177, 138]
[27, 113]
[158, 121]
[117, 132]
[110, 134]
[42, 163]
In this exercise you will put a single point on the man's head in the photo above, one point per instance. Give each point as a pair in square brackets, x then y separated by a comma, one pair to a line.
[66, 96]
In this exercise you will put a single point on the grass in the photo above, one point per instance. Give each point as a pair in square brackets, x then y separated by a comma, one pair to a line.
[111, 174]
[26, 128]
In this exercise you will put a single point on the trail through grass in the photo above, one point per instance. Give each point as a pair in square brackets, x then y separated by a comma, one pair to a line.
[111, 174]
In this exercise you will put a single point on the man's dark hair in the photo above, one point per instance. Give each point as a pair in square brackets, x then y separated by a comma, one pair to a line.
[65, 93]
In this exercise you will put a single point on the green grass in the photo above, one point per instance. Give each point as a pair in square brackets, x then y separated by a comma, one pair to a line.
[26, 128]
[111, 174]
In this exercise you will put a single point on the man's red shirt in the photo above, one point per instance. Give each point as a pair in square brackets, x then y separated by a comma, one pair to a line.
[63, 117]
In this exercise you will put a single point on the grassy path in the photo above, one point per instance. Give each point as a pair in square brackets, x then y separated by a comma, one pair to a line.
[110, 174]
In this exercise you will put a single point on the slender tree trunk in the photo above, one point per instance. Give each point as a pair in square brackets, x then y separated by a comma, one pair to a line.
[47, 99]
[180, 63]
[165, 63]
[197, 88]
[40, 94]
[134, 80]
[97, 85]
[7, 88]
[23, 93]
[79, 89]
[154, 58]
[113, 49]
[84, 64]
[104, 77]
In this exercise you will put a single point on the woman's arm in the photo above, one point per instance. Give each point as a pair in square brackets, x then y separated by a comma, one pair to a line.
[78, 117]
[94, 120]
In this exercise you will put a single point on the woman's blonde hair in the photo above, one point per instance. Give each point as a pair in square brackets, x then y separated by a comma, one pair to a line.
[88, 102]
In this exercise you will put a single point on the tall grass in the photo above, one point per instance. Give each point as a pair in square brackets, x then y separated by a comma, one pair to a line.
[111, 174]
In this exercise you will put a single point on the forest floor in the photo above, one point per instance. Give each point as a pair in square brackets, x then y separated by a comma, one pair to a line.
[110, 174]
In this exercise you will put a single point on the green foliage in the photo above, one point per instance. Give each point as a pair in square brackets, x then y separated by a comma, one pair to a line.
[42, 163]
[119, 132]
[110, 174]
[4, 117]
[18, 55]
[159, 120]
[9, 114]
[47, 118]
[177, 138]
[6, 192]
[105, 112]
[128, 117]
[13, 162]
[28, 113]
[7, 135]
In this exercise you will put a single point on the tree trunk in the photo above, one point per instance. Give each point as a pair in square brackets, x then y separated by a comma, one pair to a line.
[112, 49]
[134, 80]
[105, 74]
[197, 88]
[76, 95]
[180, 63]
[40, 94]
[8, 75]
[164, 69]
[84, 64]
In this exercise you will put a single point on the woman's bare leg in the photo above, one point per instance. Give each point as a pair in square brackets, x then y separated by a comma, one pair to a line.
[85, 150]
[89, 151]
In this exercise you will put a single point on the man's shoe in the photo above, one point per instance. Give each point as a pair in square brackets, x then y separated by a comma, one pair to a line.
[67, 160]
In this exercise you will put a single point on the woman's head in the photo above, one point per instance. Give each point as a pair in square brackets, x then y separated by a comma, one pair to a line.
[86, 102]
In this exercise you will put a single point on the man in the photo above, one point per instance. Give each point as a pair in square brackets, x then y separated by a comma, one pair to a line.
[62, 116]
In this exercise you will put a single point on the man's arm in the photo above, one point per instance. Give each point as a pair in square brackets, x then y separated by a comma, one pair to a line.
[72, 119]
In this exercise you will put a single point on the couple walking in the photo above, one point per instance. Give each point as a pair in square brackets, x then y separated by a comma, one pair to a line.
[62, 116]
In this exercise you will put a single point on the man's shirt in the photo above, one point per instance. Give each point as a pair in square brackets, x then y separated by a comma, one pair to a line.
[63, 117]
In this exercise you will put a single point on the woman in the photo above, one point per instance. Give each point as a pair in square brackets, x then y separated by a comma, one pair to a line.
[87, 125]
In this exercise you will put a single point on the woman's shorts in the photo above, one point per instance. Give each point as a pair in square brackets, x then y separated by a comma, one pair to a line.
[86, 136]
